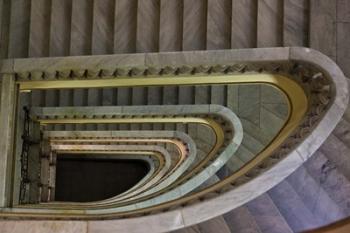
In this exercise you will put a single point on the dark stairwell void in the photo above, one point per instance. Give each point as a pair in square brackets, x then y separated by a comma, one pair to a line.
[83, 178]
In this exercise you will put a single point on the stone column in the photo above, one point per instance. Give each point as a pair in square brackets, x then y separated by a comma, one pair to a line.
[7, 127]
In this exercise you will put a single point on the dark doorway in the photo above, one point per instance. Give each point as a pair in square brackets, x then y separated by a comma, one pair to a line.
[84, 179]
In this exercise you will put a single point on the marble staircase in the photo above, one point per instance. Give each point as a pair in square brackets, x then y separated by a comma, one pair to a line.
[316, 194]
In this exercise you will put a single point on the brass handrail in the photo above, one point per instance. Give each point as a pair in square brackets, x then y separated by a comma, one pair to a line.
[294, 93]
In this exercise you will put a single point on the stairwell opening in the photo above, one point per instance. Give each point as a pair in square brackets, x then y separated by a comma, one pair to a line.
[84, 179]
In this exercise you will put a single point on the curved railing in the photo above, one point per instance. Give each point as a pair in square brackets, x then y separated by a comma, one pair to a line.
[189, 115]
[185, 147]
[315, 88]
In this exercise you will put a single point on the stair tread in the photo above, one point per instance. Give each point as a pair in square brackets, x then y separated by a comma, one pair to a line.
[202, 95]
[244, 154]
[147, 31]
[81, 29]
[295, 24]
[125, 26]
[343, 34]
[60, 26]
[170, 31]
[219, 24]
[315, 198]
[194, 25]
[327, 175]
[240, 220]
[39, 29]
[267, 216]
[270, 27]
[102, 27]
[342, 131]
[214, 225]
[19, 29]
[244, 24]
[218, 95]
[322, 18]
[337, 152]
[297, 215]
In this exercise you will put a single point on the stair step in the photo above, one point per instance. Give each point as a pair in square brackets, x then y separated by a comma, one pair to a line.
[81, 29]
[295, 23]
[147, 34]
[279, 110]
[171, 18]
[234, 163]
[270, 123]
[252, 144]
[218, 95]
[244, 154]
[342, 131]
[5, 13]
[125, 26]
[343, 34]
[139, 96]
[170, 95]
[214, 225]
[326, 174]
[154, 95]
[202, 95]
[19, 29]
[194, 25]
[270, 23]
[244, 24]
[267, 216]
[186, 95]
[314, 197]
[60, 27]
[39, 28]
[209, 182]
[337, 152]
[322, 27]
[292, 208]
[347, 111]
[102, 27]
[255, 132]
[240, 220]
[249, 103]
[219, 24]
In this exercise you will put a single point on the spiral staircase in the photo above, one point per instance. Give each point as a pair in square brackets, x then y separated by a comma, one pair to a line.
[241, 126]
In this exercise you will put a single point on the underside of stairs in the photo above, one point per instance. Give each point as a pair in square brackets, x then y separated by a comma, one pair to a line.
[317, 194]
